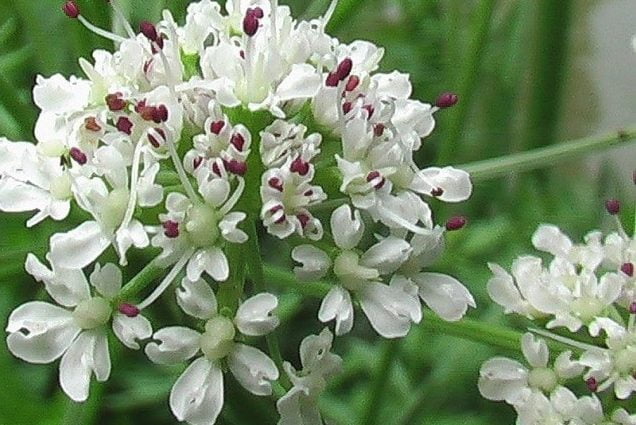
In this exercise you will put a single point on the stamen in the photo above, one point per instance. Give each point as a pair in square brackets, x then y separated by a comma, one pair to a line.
[299, 166]
[628, 269]
[124, 125]
[437, 192]
[353, 83]
[304, 219]
[344, 69]
[149, 30]
[196, 163]
[129, 310]
[78, 156]
[165, 283]
[122, 18]
[153, 136]
[572, 343]
[236, 167]
[171, 229]
[250, 24]
[101, 32]
[376, 179]
[91, 124]
[446, 100]
[71, 9]
[216, 127]
[378, 130]
[275, 183]
[132, 200]
[592, 384]
[238, 141]
[613, 206]
[115, 102]
[332, 80]
[456, 223]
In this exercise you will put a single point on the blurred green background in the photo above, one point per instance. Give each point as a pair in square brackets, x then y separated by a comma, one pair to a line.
[528, 73]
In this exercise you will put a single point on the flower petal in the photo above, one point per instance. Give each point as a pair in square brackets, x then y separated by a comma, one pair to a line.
[197, 396]
[107, 280]
[79, 247]
[255, 317]
[337, 305]
[389, 309]
[177, 344]
[455, 184]
[87, 355]
[315, 262]
[444, 294]
[197, 299]
[129, 330]
[253, 369]
[347, 230]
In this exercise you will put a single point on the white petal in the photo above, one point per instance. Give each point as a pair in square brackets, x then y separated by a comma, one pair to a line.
[196, 299]
[390, 310]
[79, 247]
[455, 183]
[87, 355]
[315, 262]
[255, 317]
[302, 82]
[444, 294]
[347, 230]
[16, 196]
[216, 264]
[503, 291]
[502, 379]
[129, 330]
[177, 344]
[59, 95]
[253, 369]
[107, 280]
[535, 350]
[197, 396]
[337, 305]
[387, 255]
[40, 332]
[549, 238]
[215, 191]
[229, 230]
[66, 286]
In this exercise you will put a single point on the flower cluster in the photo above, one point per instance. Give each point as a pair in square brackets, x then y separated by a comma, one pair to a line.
[588, 291]
[194, 139]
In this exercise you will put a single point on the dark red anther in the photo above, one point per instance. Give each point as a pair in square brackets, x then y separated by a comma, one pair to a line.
[236, 167]
[157, 45]
[344, 69]
[446, 100]
[592, 384]
[456, 223]
[257, 11]
[215, 169]
[91, 124]
[353, 83]
[613, 206]
[196, 163]
[71, 9]
[275, 183]
[115, 102]
[217, 126]
[153, 140]
[147, 113]
[250, 24]
[160, 114]
[332, 80]
[274, 210]
[238, 141]
[170, 229]
[437, 191]
[374, 175]
[78, 156]
[149, 30]
[369, 109]
[299, 166]
[309, 193]
[242, 54]
[304, 219]
[628, 269]
[632, 308]
[347, 107]
[129, 310]
[124, 125]
[378, 130]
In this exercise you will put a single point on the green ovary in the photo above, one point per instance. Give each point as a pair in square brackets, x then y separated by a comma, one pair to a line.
[92, 313]
[202, 226]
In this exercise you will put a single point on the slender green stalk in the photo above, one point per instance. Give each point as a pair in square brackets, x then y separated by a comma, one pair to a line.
[342, 14]
[467, 80]
[283, 279]
[383, 371]
[544, 157]
[255, 267]
[145, 277]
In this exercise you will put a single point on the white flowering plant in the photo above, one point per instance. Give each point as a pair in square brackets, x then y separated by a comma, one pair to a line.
[230, 216]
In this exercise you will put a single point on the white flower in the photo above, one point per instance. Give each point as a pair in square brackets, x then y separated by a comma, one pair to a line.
[282, 141]
[558, 409]
[501, 378]
[299, 406]
[197, 396]
[40, 332]
[390, 309]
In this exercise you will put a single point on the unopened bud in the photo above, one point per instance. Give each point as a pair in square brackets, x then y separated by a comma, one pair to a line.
[446, 100]
[71, 9]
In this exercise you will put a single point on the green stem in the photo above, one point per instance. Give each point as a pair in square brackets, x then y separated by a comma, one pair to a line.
[230, 292]
[467, 80]
[285, 280]
[383, 370]
[544, 157]
[255, 267]
[145, 277]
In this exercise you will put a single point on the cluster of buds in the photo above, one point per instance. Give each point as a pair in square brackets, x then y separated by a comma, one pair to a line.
[197, 138]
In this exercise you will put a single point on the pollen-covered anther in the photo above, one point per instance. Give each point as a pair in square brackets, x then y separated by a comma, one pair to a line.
[376, 179]
[115, 102]
[129, 310]
[628, 269]
[78, 156]
[456, 223]
[344, 69]
[124, 125]
[238, 141]
[299, 166]
[613, 206]
[275, 183]
[446, 100]
[71, 9]
[91, 124]
[236, 167]
[592, 384]
[216, 127]
[170, 229]
[154, 141]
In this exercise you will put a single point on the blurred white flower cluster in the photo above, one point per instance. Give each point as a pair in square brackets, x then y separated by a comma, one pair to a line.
[587, 294]
[183, 138]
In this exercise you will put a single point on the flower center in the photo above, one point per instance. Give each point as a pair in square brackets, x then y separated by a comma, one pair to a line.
[113, 208]
[625, 361]
[543, 378]
[218, 339]
[587, 308]
[351, 274]
[92, 313]
[202, 226]
[60, 187]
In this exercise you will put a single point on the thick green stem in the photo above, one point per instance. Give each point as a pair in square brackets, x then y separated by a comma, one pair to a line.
[544, 157]
[141, 281]
[383, 371]
[467, 80]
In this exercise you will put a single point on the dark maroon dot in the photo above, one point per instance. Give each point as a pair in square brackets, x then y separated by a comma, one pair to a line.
[257, 11]
[613, 206]
[78, 156]
[378, 130]
[275, 183]
[332, 80]
[250, 24]
[446, 100]
[124, 125]
[346, 107]
[129, 310]
[149, 30]
[437, 191]
[71, 9]
[160, 114]
[592, 384]
[344, 69]
[628, 269]
[299, 166]
[304, 219]
[238, 141]
[115, 102]
[197, 162]
[373, 175]
[217, 126]
[455, 223]
[369, 109]
[353, 83]
[153, 140]
[170, 229]
[215, 169]
[237, 167]
[632, 308]
[309, 193]
[91, 124]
